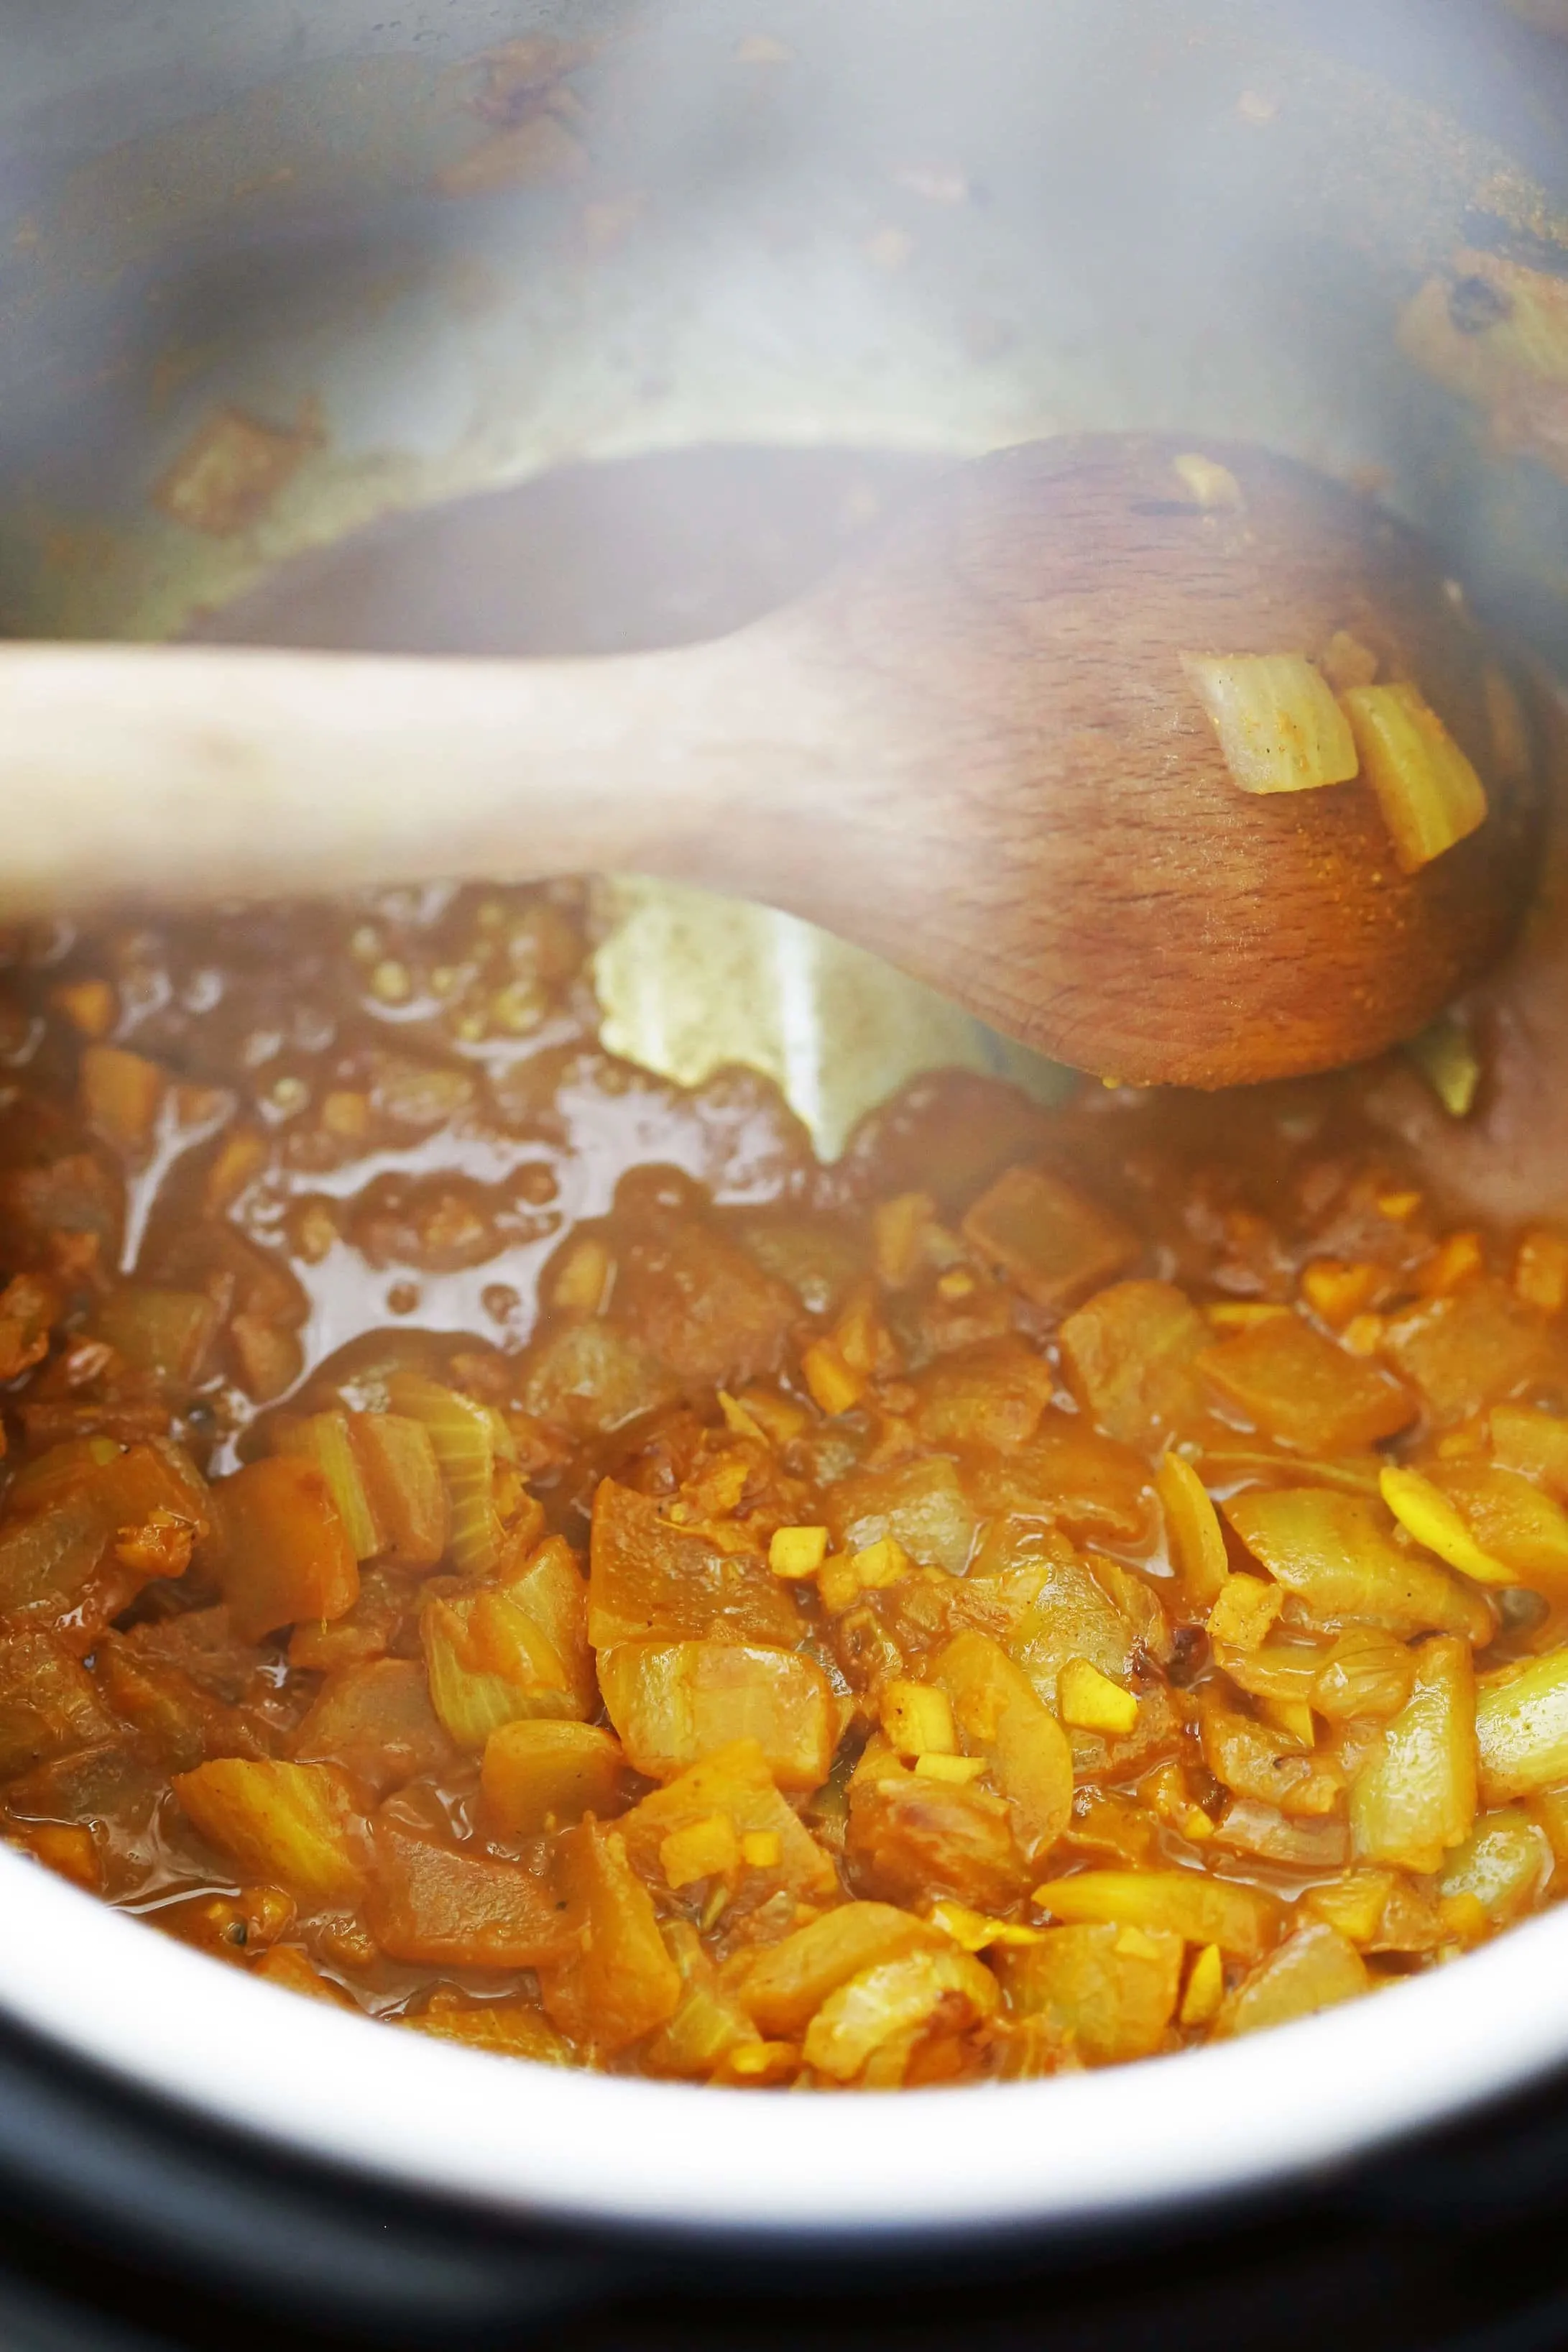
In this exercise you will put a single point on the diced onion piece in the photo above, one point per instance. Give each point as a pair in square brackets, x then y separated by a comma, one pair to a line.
[1522, 1730]
[892, 1999]
[1280, 727]
[1316, 1968]
[1091, 1701]
[1430, 795]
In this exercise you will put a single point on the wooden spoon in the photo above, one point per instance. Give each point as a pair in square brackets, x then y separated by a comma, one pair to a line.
[974, 750]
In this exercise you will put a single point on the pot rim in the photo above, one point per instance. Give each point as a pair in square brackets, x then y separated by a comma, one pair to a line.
[624, 2153]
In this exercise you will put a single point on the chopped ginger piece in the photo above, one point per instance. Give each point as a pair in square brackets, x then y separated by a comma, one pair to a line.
[798, 1551]
[1293, 1717]
[760, 2062]
[899, 1228]
[1091, 1701]
[706, 1849]
[1541, 1271]
[881, 1563]
[918, 1719]
[121, 1095]
[779, 1418]
[976, 1933]
[91, 1006]
[1429, 793]
[1425, 1513]
[1243, 1314]
[843, 1579]
[583, 1278]
[1242, 1920]
[1245, 1611]
[1455, 1261]
[738, 1421]
[959, 1770]
[1134, 1945]
[835, 1388]
[1338, 1292]
[1196, 1537]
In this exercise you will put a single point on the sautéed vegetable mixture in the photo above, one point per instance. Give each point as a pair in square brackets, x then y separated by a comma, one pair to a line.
[492, 1541]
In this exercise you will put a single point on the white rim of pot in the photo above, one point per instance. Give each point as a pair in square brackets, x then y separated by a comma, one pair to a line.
[549, 2143]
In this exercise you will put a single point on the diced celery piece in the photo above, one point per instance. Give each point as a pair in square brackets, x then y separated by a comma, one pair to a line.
[464, 1436]
[293, 1824]
[709, 2022]
[403, 1485]
[471, 1698]
[323, 1438]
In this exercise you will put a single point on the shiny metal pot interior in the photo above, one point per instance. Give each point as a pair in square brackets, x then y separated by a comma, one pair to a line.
[926, 230]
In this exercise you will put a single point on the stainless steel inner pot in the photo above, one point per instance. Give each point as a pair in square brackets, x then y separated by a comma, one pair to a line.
[923, 229]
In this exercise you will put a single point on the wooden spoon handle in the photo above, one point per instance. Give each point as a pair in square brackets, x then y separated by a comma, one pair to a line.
[206, 772]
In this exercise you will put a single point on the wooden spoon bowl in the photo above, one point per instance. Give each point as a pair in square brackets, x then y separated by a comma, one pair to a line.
[973, 749]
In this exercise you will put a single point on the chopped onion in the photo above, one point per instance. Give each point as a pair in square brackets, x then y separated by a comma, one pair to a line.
[1429, 793]
[1280, 727]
